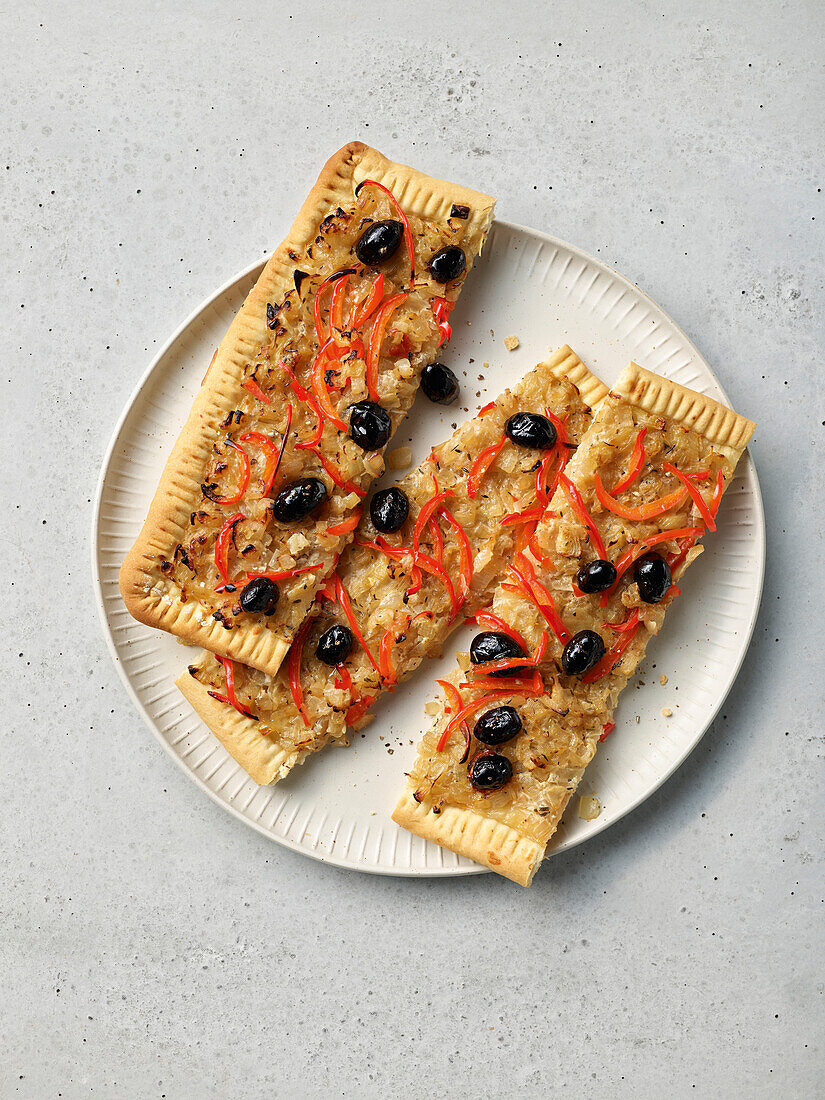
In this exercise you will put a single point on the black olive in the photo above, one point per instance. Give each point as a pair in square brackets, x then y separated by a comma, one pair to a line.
[498, 725]
[335, 645]
[447, 264]
[378, 242]
[531, 430]
[439, 384]
[493, 645]
[653, 576]
[369, 425]
[260, 595]
[596, 576]
[389, 509]
[582, 652]
[298, 499]
[489, 771]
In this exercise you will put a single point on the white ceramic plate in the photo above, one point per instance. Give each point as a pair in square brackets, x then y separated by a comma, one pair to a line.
[337, 807]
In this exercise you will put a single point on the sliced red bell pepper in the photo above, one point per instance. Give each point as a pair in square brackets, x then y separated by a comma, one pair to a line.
[365, 309]
[319, 293]
[523, 689]
[222, 548]
[285, 574]
[527, 516]
[345, 526]
[296, 651]
[608, 729]
[343, 675]
[336, 312]
[408, 237]
[321, 390]
[481, 465]
[376, 336]
[465, 555]
[243, 481]
[485, 617]
[343, 599]
[639, 548]
[628, 624]
[486, 408]
[612, 657]
[697, 497]
[543, 602]
[358, 709]
[335, 474]
[273, 452]
[637, 459]
[231, 698]
[644, 511]
[453, 694]
[385, 657]
[576, 502]
[256, 391]
[442, 308]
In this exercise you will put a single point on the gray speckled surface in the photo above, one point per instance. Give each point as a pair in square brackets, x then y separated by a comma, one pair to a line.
[153, 946]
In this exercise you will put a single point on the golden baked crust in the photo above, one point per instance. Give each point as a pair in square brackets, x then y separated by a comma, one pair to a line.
[150, 596]
[377, 586]
[565, 716]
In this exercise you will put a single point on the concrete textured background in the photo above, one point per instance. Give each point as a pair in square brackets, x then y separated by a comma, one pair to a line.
[151, 945]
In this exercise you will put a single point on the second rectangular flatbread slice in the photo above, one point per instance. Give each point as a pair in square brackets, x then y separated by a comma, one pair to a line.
[403, 613]
[648, 478]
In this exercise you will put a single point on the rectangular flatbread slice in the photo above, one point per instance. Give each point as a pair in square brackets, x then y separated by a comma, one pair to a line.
[403, 612]
[647, 479]
[288, 429]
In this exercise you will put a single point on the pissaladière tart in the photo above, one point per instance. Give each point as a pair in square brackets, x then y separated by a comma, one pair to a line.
[523, 717]
[427, 553]
[317, 370]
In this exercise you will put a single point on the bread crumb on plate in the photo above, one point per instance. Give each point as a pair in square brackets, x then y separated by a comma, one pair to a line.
[511, 342]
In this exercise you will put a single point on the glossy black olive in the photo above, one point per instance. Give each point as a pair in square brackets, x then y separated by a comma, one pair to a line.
[378, 242]
[653, 576]
[369, 425]
[447, 264]
[531, 430]
[389, 509]
[298, 499]
[439, 384]
[582, 652]
[596, 576]
[494, 645]
[490, 771]
[498, 725]
[260, 595]
[335, 645]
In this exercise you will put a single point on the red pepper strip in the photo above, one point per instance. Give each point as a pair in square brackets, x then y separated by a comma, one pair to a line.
[523, 689]
[365, 308]
[481, 465]
[429, 565]
[639, 548]
[612, 657]
[442, 308]
[296, 651]
[358, 709]
[577, 504]
[272, 452]
[487, 618]
[422, 615]
[321, 390]
[379, 326]
[335, 474]
[677, 560]
[560, 426]
[222, 548]
[304, 395]
[346, 525]
[385, 657]
[438, 539]
[244, 479]
[544, 559]
[397, 552]
[628, 623]
[465, 554]
[428, 509]
[285, 574]
[300, 391]
[256, 391]
[506, 683]
[346, 607]
[327, 589]
[543, 493]
[454, 696]
[408, 237]
[486, 408]
[317, 435]
[527, 516]
[319, 293]
[528, 664]
[547, 607]
[644, 511]
[608, 727]
[336, 311]
[698, 499]
[637, 459]
[345, 678]
[232, 698]
[674, 591]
